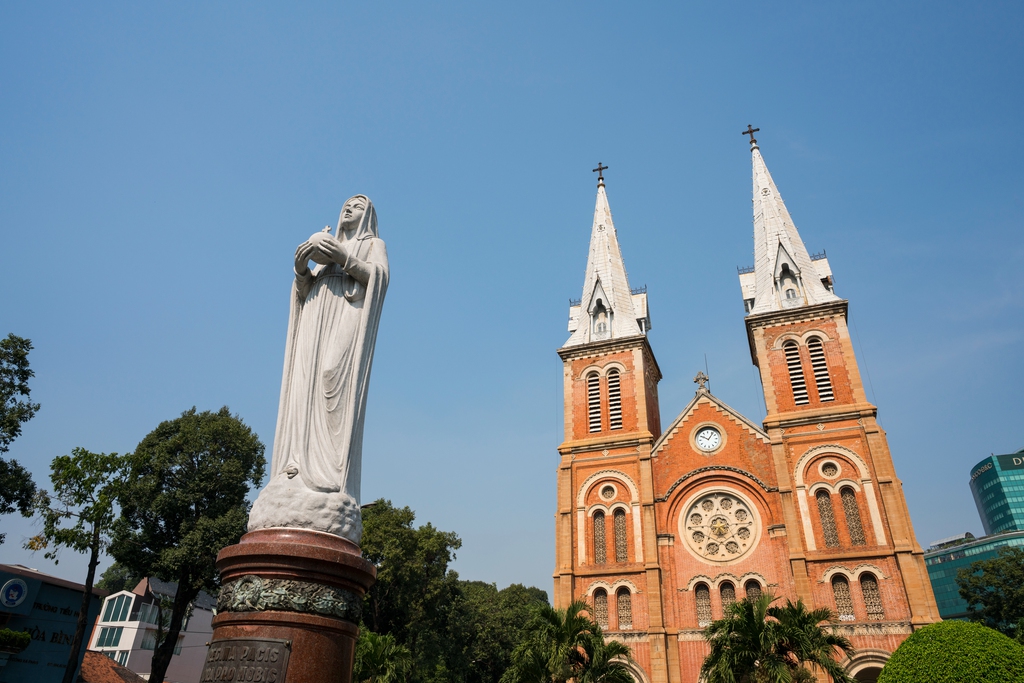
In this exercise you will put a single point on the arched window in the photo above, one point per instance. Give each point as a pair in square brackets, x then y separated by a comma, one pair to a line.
[614, 400]
[703, 596]
[594, 401]
[852, 512]
[788, 283]
[602, 319]
[753, 589]
[600, 553]
[872, 597]
[728, 594]
[619, 518]
[820, 367]
[841, 592]
[796, 374]
[601, 607]
[828, 518]
[625, 605]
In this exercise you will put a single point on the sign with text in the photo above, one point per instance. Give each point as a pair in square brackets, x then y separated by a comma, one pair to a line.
[246, 660]
[1011, 462]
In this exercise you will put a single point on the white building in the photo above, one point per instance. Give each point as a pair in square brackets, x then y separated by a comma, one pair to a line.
[127, 630]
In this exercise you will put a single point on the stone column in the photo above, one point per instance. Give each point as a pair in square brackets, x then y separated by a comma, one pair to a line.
[289, 608]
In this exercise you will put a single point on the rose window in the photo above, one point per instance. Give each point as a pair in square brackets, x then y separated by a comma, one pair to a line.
[720, 527]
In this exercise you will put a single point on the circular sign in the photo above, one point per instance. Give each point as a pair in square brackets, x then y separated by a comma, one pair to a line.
[13, 593]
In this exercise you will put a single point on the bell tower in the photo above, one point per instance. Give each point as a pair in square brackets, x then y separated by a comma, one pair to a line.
[605, 538]
[843, 503]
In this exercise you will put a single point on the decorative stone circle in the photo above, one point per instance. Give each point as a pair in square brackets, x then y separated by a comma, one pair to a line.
[608, 492]
[720, 526]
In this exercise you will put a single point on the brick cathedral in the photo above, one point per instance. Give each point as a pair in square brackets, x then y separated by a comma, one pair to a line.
[659, 529]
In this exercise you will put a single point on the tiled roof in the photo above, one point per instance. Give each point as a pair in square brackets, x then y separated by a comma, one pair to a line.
[98, 668]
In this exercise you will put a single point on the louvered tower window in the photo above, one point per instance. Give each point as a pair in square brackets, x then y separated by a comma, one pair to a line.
[821, 378]
[619, 519]
[796, 373]
[753, 589]
[625, 607]
[828, 518]
[852, 512]
[594, 401]
[728, 594]
[614, 400]
[703, 595]
[600, 553]
[872, 597]
[844, 603]
[601, 607]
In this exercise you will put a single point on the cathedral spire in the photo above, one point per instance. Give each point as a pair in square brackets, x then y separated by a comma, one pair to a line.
[608, 309]
[784, 274]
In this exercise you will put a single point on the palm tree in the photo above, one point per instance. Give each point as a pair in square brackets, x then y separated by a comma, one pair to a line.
[758, 643]
[380, 659]
[563, 645]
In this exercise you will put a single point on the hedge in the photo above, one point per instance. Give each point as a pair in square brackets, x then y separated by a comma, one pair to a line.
[15, 641]
[955, 652]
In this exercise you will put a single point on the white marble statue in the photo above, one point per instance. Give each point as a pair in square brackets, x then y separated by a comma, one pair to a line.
[332, 328]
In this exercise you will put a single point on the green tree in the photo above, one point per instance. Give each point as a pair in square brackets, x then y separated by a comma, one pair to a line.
[16, 408]
[380, 659]
[994, 590]
[79, 515]
[184, 499]
[955, 652]
[563, 645]
[496, 625]
[757, 642]
[117, 577]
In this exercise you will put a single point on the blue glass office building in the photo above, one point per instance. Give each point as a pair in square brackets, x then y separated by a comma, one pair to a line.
[998, 486]
[944, 561]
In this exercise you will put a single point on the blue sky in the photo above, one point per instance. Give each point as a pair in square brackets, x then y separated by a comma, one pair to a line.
[160, 162]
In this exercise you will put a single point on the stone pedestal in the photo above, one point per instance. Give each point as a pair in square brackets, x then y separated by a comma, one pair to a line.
[289, 608]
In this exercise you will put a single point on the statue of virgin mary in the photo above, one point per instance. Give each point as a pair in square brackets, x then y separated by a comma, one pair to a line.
[332, 329]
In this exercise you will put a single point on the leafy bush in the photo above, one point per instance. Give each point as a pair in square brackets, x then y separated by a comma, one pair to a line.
[955, 651]
[13, 640]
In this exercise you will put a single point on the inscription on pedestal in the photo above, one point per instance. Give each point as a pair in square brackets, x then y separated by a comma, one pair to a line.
[246, 660]
[254, 594]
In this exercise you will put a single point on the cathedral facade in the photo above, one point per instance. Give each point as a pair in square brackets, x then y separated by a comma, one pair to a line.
[659, 529]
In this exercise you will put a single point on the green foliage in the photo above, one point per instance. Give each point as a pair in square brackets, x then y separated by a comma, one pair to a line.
[117, 578]
[15, 406]
[454, 630]
[13, 641]
[954, 652]
[562, 645]
[380, 659]
[184, 499]
[16, 486]
[757, 642]
[994, 590]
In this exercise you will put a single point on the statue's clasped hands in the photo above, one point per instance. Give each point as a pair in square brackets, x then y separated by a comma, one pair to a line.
[323, 248]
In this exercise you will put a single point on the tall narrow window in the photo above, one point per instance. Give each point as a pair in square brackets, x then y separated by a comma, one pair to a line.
[852, 512]
[600, 553]
[625, 606]
[728, 594]
[828, 518]
[841, 592]
[703, 595]
[601, 607]
[821, 378]
[753, 589]
[796, 373]
[594, 401]
[621, 547]
[614, 400]
[872, 597]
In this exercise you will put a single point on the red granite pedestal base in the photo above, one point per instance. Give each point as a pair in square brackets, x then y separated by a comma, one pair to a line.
[288, 610]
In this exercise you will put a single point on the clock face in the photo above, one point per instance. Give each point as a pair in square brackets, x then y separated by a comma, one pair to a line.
[708, 439]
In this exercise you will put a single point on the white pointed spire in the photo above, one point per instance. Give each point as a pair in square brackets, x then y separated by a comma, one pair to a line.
[784, 275]
[607, 309]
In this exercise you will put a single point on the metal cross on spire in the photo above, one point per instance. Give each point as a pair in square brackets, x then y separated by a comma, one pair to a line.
[600, 172]
[750, 131]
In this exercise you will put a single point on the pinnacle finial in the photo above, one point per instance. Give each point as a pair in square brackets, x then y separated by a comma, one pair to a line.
[600, 173]
[701, 380]
[750, 131]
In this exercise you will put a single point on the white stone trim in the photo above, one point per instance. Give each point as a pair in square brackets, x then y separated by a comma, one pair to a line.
[852, 574]
[805, 517]
[865, 478]
[581, 496]
[633, 508]
[601, 370]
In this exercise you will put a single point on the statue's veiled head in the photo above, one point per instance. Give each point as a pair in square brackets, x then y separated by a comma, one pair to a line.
[358, 219]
